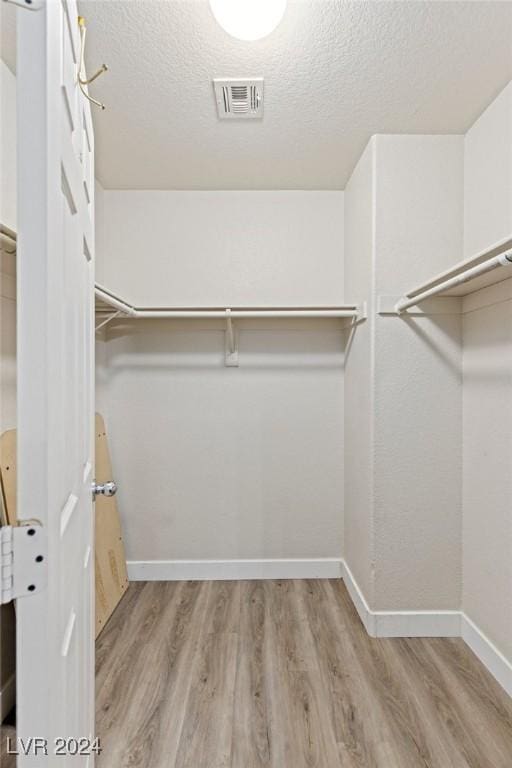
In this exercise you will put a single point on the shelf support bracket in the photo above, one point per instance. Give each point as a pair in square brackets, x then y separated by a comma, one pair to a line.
[231, 342]
[107, 320]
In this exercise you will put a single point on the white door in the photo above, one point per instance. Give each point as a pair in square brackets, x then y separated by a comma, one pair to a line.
[55, 648]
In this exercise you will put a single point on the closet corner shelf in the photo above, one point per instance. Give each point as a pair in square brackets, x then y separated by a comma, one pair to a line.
[490, 266]
[110, 306]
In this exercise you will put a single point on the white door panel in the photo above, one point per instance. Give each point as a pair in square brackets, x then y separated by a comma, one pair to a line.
[55, 664]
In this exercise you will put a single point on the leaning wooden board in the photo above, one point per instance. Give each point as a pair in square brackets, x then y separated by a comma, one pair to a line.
[111, 575]
[8, 477]
[110, 567]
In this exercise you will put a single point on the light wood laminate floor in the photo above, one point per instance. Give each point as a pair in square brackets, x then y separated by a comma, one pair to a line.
[283, 674]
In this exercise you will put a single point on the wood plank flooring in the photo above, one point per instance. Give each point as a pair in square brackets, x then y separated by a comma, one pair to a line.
[282, 674]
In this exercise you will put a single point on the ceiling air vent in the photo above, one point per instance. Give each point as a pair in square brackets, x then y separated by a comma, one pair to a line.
[239, 98]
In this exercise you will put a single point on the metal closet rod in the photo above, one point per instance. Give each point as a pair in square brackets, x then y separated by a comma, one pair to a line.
[350, 310]
[8, 235]
[114, 301]
[241, 313]
[7, 232]
[502, 260]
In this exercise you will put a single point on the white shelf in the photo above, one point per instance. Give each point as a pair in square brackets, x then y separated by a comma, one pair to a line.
[109, 302]
[110, 306]
[490, 266]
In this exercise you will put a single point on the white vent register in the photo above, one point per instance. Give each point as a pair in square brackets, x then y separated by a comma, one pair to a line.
[239, 98]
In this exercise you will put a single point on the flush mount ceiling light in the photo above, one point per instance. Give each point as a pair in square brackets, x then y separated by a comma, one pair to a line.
[248, 19]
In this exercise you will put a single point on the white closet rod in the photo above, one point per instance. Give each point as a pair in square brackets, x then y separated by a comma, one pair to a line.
[239, 313]
[503, 260]
[7, 239]
[113, 301]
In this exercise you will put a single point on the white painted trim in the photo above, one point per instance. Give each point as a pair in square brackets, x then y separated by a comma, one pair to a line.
[401, 623]
[499, 667]
[215, 570]
[430, 624]
[7, 696]
[359, 600]
[417, 623]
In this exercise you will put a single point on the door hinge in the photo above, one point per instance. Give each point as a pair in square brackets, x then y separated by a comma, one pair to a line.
[23, 560]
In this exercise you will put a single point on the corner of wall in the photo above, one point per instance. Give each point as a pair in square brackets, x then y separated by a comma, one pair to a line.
[8, 176]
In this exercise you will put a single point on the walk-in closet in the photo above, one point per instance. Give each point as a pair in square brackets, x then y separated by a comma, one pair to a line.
[256, 384]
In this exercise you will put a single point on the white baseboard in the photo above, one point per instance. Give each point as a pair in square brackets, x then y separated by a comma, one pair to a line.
[499, 667]
[417, 623]
[360, 604]
[401, 623]
[215, 570]
[430, 624]
[7, 696]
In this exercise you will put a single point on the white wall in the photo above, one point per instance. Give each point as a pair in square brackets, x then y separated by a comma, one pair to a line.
[487, 476]
[224, 463]
[488, 176]
[7, 147]
[101, 336]
[224, 248]
[403, 527]
[359, 364]
[418, 378]
[487, 540]
[215, 462]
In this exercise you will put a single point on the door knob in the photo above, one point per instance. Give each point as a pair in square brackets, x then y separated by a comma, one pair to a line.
[105, 489]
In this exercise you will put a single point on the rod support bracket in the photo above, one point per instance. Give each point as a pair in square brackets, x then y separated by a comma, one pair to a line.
[386, 305]
[231, 342]
[362, 312]
[107, 320]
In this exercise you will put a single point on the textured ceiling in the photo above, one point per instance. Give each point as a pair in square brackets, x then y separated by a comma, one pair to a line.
[335, 73]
